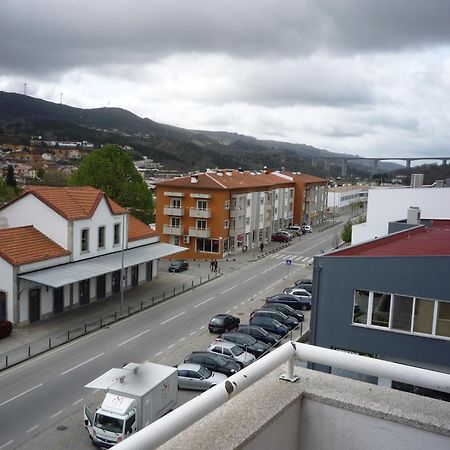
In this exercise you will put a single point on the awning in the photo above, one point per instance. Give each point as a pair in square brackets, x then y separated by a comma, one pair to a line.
[58, 276]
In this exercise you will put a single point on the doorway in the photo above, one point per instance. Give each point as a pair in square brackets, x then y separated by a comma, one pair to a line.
[58, 300]
[34, 304]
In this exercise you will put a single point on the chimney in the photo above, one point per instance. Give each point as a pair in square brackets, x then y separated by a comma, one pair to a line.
[413, 217]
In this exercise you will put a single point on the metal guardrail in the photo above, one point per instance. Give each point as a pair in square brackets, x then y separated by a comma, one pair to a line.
[27, 351]
[159, 432]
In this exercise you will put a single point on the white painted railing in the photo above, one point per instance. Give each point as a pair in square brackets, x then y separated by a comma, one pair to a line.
[187, 414]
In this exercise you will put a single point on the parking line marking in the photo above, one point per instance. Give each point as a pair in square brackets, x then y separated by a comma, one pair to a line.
[229, 289]
[134, 337]
[77, 401]
[192, 333]
[20, 395]
[5, 445]
[31, 429]
[174, 317]
[203, 326]
[228, 312]
[182, 339]
[204, 301]
[235, 307]
[242, 302]
[159, 353]
[81, 364]
[170, 346]
[56, 414]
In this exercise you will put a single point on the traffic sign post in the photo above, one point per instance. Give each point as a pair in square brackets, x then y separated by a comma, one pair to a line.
[288, 263]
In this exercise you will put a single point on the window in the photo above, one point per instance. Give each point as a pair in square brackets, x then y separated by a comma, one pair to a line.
[2, 306]
[101, 237]
[423, 316]
[360, 306]
[249, 202]
[381, 308]
[227, 204]
[85, 240]
[247, 221]
[116, 233]
[175, 222]
[207, 245]
[175, 203]
[226, 224]
[443, 319]
[202, 204]
[201, 224]
[402, 312]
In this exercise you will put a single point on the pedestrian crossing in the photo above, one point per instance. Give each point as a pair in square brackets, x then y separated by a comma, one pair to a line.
[293, 258]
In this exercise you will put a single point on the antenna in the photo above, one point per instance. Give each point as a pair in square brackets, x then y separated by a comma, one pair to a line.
[24, 88]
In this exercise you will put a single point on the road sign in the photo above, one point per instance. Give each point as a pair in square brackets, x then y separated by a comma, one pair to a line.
[288, 262]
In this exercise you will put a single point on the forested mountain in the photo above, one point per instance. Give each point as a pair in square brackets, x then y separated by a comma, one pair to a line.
[176, 148]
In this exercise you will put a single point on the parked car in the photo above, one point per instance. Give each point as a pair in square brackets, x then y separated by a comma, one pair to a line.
[306, 229]
[195, 376]
[291, 300]
[304, 284]
[297, 229]
[178, 265]
[246, 342]
[271, 325]
[281, 237]
[233, 351]
[298, 292]
[223, 323]
[214, 362]
[291, 312]
[289, 322]
[260, 334]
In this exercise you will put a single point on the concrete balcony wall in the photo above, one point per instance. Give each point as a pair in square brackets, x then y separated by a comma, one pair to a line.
[174, 231]
[320, 411]
[197, 232]
[170, 211]
[200, 213]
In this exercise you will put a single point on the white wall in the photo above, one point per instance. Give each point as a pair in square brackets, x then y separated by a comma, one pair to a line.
[388, 205]
[31, 211]
[6, 285]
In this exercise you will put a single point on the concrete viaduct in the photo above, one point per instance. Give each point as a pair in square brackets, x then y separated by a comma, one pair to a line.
[344, 161]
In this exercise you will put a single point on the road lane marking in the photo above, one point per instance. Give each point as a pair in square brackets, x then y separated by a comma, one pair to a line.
[174, 317]
[229, 289]
[182, 339]
[201, 328]
[6, 445]
[205, 301]
[228, 312]
[20, 395]
[248, 279]
[170, 346]
[77, 401]
[134, 337]
[31, 429]
[192, 333]
[81, 364]
[242, 303]
[159, 353]
[56, 414]
[235, 307]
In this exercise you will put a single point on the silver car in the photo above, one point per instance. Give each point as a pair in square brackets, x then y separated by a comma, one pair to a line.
[194, 376]
[231, 350]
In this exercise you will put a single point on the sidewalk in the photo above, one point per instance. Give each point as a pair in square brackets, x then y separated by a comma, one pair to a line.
[36, 338]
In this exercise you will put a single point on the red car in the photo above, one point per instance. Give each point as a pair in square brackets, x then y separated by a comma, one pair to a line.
[280, 237]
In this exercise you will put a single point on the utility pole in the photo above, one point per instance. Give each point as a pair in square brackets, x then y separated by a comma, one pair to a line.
[61, 98]
[24, 88]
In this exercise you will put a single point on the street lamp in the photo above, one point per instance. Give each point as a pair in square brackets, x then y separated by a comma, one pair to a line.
[122, 274]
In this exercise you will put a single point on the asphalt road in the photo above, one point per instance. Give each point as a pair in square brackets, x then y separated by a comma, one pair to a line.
[39, 395]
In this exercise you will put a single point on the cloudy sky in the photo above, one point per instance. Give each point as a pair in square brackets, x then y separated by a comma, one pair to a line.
[368, 77]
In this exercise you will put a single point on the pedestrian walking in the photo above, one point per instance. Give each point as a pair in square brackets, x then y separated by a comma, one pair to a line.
[261, 246]
[211, 265]
[216, 265]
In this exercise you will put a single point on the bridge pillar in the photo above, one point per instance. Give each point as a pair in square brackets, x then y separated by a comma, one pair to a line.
[408, 163]
[344, 168]
[374, 166]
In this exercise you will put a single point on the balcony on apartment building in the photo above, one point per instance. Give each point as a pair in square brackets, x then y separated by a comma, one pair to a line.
[173, 211]
[200, 213]
[174, 231]
[199, 232]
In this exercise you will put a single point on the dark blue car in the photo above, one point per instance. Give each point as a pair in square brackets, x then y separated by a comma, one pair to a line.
[270, 325]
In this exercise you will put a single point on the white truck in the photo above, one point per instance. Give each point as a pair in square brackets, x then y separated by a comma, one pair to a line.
[136, 395]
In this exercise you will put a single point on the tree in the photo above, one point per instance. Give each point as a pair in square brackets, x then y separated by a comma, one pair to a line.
[112, 170]
[11, 178]
[347, 232]
[7, 193]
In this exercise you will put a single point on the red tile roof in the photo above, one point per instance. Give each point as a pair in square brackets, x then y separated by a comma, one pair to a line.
[419, 241]
[72, 203]
[24, 245]
[228, 179]
[138, 230]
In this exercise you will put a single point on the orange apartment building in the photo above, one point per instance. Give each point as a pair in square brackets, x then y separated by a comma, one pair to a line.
[223, 212]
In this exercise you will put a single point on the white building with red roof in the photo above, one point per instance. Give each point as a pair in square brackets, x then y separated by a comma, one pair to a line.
[65, 247]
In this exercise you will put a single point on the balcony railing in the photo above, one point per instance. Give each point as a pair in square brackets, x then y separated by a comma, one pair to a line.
[200, 213]
[173, 211]
[200, 232]
[175, 231]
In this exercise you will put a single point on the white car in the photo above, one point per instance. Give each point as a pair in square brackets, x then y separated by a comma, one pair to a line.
[231, 350]
[195, 376]
[298, 292]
